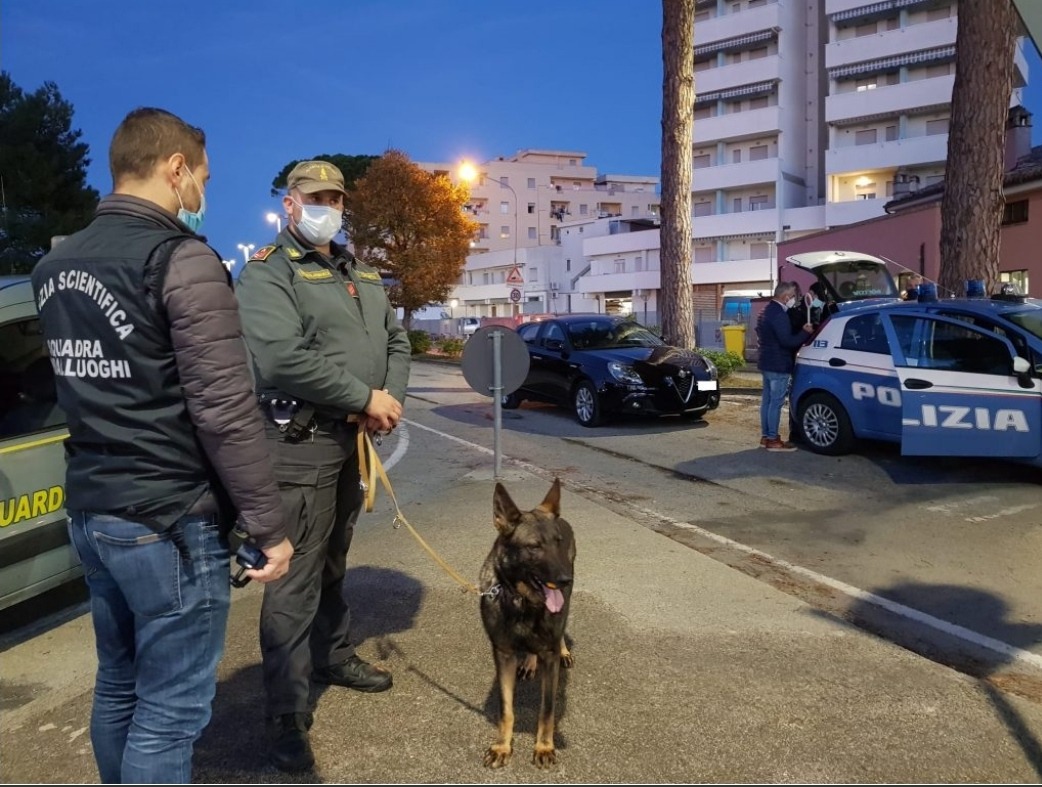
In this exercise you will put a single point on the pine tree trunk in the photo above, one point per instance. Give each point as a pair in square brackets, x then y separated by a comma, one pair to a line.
[678, 108]
[971, 210]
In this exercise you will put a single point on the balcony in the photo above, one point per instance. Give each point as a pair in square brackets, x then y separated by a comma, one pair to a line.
[840, 213]
[927, 35]
[732, 271]
[749, 72]
[738, 125]
[887, 155]
[609, 282]
[753, 20]
[806, 219]
[729, 176]
[744, 223]
[888, 99]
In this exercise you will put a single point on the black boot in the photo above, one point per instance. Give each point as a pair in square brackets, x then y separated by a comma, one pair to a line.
[355, 674]
[290, 749]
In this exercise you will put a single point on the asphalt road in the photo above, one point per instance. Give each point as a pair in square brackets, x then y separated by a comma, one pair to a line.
[687, 669]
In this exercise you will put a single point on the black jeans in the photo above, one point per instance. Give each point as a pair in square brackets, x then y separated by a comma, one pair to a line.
[305, 620]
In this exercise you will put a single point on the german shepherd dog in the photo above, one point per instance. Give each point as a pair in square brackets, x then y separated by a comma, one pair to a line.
[526, 584]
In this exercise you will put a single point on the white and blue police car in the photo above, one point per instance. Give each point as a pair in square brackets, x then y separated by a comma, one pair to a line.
[948, 377]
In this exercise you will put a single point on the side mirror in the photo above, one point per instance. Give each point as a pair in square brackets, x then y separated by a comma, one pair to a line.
[1022, 371]
[554, 344]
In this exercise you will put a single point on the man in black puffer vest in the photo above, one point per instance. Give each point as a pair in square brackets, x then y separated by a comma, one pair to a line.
[165, 445]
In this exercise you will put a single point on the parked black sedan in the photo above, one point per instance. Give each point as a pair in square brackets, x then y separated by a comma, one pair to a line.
[598, 365]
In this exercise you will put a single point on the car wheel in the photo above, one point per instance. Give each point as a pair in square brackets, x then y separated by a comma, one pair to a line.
[511, 401]
[824, 425]
[585, 404]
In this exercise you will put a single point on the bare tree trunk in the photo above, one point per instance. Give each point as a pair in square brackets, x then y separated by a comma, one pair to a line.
[971, 210]
[678, 117]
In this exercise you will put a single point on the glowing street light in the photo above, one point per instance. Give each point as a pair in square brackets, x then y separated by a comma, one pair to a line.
[274, 218]
[246, 248]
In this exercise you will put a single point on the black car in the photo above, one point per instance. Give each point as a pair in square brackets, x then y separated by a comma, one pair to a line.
[598, 365]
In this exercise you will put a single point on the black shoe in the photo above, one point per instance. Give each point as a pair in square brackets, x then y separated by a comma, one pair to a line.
[290, 749]
[354, 674]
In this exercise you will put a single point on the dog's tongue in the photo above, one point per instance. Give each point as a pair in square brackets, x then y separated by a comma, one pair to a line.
[554, 599]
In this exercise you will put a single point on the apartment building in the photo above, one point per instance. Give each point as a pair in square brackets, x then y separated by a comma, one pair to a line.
[809, 114]
[521, 204]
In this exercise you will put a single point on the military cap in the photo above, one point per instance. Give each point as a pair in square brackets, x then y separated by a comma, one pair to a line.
[313, 176]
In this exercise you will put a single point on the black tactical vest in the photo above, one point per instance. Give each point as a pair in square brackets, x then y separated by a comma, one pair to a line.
[132, 450]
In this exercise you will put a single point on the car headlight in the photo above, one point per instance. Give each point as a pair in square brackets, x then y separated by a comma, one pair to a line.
[713, 373]
[624, 373]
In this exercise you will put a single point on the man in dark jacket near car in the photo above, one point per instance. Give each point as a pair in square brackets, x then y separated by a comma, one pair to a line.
[778, 341]
[165, 445]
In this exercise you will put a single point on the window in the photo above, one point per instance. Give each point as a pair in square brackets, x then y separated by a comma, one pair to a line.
[28, 399]
[893, 78]
[504, 207]
[866, 84]
[533, 274]
[504, 182]
[705, 254]
[620, 266]
[758, 54]
[531, 183]
[866, 195]
[942, 70]
[634, 211]
[571, 162]
[568, 265]
[937, 126]
[933, 14]
[529, 331]
[1015, 213]
[583, 210]
[638, 263]
[737, 205]
[891, 133]
[1018, 278]
[759, 251]
[866, 136]
[757, 152]
[893, 23]
[504, 231]
[865, 334]
[758, 103]
[703, 113]
[702, 209]
[700, 162]
[758, 202]
[867, 29]
[531, 233]
[486, 278]
[953, 347]
[736, 156]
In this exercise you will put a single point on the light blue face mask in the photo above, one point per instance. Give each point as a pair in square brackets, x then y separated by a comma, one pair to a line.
[192, 220]
[816, 304]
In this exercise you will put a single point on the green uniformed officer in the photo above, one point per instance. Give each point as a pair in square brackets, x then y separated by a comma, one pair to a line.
[329, 358]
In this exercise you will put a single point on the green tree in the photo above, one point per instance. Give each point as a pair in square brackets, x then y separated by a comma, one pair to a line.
[410, 224]
[678, 113]
[43, 172]
[971, 208]
[352, 167]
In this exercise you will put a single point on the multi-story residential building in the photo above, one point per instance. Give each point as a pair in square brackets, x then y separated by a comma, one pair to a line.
[809, 114]
[521, 204]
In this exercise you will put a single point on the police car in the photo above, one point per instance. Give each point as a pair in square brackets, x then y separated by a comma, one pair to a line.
[35, 553]
[950, 377]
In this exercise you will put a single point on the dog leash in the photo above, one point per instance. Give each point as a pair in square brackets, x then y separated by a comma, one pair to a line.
[371, 470]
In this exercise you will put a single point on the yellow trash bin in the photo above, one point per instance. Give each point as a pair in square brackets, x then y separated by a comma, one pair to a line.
[734, 338]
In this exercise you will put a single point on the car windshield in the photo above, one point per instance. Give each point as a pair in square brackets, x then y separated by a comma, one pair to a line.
[1029, 319]
[602, 334]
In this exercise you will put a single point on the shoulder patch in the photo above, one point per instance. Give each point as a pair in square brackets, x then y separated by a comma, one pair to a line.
[369, 276]
[314, 275]
[292, 253]
[262, 253]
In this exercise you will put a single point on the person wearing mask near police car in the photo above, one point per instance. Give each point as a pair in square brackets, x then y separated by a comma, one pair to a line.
[165, 445]
[778, 341]
[330, 359]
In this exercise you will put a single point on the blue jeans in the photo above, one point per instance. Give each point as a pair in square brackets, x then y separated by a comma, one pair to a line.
[159, 625]
[775, 389]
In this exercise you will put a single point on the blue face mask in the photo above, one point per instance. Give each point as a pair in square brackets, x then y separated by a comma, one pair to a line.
[192, 220]
[816, 304]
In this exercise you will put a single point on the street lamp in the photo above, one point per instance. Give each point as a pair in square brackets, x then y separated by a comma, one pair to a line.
[246, 248]
[273, 218]
[469, 174]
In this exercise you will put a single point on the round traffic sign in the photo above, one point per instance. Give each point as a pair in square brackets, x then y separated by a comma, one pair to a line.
[477, 359]
[515, 295]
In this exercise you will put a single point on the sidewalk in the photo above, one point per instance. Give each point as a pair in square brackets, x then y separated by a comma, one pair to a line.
[686, 671]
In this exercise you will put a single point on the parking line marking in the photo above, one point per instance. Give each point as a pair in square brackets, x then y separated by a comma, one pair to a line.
[951, 629]
[400, 449]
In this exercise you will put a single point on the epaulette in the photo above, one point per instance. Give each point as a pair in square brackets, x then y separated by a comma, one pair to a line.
[262, 253]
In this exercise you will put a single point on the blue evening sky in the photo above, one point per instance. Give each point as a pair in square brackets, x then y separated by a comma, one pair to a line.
[270, 81]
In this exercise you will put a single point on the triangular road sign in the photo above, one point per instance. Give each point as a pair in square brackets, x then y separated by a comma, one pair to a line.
[515, 277]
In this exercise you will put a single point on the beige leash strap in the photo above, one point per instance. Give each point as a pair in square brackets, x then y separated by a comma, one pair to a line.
[371, 468]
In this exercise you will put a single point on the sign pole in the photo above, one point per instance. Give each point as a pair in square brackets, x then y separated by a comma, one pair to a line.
[497, 397]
